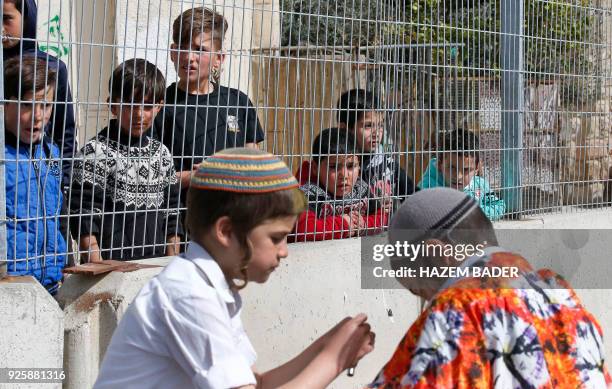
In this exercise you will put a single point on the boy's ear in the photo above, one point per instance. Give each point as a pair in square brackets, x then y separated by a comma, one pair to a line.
[158, 107]
[223, 231]
[221, 57]
[314, 165]
[113, 107]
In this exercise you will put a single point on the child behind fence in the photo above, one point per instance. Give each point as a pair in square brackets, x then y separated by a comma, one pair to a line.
[201, 116]
[124, 196]
[340, 203]
[19, 38]
[457, 166]
[36, 245]
[360, 111]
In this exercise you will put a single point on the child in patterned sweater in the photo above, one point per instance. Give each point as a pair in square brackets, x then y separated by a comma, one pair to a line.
[340, 203]
[125, 199]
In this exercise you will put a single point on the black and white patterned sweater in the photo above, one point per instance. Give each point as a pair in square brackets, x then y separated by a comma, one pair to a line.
[125, 192]
[386, 178]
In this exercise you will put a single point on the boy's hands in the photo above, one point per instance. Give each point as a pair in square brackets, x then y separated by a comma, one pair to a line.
[355, 221]
[338, 349]
[361, 221]
[387, 204]
[349, 341]
[90, 249]
[173, 245]
[185, 176]
[93, 256]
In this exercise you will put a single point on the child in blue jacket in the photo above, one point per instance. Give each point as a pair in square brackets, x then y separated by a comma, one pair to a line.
[33, 173]
[457, 167]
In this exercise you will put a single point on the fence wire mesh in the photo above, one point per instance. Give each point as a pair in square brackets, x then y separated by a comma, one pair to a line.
[509, 101]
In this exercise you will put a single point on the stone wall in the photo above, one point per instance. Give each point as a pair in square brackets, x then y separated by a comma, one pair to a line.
[585, 155]
[585, 135]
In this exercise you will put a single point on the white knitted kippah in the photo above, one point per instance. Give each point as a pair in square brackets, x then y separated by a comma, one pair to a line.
[430, 210]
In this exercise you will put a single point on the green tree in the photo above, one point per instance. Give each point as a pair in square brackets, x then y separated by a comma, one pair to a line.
[561, 36]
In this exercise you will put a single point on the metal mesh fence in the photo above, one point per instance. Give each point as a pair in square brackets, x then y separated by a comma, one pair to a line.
[509, 101]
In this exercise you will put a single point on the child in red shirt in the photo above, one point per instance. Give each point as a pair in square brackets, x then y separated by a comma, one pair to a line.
[340, 204]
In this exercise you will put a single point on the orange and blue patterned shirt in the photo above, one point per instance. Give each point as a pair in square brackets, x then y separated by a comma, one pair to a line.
[527, 332]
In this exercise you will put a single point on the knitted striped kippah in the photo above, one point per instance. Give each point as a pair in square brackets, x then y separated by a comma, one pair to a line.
[430, 211]
[243, 170]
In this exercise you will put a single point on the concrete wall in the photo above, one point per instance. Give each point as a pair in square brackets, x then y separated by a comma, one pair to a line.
[32, 328]
[92, 307]
[313, 289]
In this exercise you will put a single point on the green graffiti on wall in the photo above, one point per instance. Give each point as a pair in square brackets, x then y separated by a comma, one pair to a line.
[56, 43]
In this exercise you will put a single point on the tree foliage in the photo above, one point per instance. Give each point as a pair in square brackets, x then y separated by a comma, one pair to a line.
[562, 37]
[331, 23]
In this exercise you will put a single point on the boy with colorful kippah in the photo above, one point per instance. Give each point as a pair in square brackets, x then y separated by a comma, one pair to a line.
[183, 330]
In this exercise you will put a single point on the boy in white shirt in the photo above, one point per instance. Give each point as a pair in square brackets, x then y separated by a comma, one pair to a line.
[184, 329]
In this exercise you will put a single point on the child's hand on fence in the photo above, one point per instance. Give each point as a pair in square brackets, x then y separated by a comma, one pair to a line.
[387, 204]
[185, 176]
[90, 251]
[173, 245]
[362, 225]
[92, 255]
[355, 221]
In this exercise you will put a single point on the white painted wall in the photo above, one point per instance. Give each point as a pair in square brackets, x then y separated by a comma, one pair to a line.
[144, 29]
[54, 29]
[314, 288]
[92, 37]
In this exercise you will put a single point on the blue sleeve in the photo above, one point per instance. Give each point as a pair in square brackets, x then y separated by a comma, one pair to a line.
[425, 182]
[431, 176]
[491, 205]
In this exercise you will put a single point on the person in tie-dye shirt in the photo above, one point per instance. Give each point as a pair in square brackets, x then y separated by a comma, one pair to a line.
[528, 331]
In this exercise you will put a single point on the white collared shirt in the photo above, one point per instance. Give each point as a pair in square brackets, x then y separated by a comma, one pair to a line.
[183, 330]
[474, 260]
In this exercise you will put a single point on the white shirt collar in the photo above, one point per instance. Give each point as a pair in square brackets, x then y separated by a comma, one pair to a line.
[474, 260]
[207, 264]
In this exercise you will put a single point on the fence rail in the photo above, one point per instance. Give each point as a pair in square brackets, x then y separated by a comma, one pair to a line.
[532, 79]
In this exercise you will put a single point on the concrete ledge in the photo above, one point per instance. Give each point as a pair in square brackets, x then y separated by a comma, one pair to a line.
[32, 328]
[313, 289]
[92, 308]
[571, 218]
